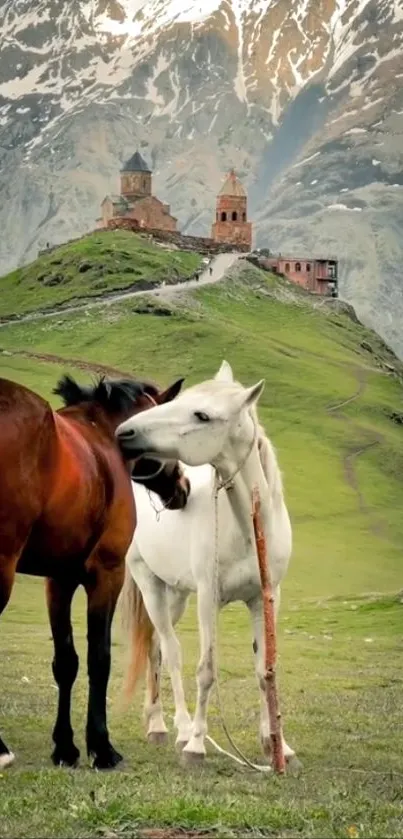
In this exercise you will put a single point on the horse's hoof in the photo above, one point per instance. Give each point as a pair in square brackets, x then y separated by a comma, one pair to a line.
[107, 758]
[193, 758]
[66, 755]
[266, 747]
[294, 765]
[180, 745]
[157, 738]
[6, 759]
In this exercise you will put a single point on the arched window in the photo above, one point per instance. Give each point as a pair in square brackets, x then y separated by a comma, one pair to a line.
[243, 216]
[287, 267]
[308, 267]
[297, 266]
[223, 217]
[234, 216]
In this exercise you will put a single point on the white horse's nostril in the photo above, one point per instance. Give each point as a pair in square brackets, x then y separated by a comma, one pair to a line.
[126, 434]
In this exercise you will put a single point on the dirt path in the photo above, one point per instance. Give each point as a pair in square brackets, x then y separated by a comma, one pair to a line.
[74, 362]
[350, 457]
[361, 382]
[351, 474]
[219, 265]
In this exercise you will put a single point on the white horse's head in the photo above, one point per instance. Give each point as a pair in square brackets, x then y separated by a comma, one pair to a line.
[196, 426]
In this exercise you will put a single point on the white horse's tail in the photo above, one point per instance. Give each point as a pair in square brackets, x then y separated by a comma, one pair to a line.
[139, 629]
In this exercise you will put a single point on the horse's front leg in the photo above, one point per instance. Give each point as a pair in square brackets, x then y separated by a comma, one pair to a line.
[256, 611]
[7, 575]
[103, 587]
[195, 749]
[65, 668]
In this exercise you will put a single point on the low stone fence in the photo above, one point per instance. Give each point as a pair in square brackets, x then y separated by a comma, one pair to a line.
[197, 244]
[200, 244]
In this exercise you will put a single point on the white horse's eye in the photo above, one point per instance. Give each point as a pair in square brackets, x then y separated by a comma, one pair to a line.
[201, 416]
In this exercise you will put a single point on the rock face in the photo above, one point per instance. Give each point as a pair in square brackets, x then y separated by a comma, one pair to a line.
[304, 98]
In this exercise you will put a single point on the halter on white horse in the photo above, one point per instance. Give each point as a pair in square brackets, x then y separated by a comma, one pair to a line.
[213, 423]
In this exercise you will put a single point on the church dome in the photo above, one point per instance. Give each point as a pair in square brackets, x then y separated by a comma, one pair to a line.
[136, 163]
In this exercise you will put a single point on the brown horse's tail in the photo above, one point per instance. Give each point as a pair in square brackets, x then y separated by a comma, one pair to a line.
[139, 631]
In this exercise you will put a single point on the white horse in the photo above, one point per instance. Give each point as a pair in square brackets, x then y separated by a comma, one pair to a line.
[213, 423]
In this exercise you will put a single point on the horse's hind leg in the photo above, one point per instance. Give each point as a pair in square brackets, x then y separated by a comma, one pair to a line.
[156, 600]
[256, 612]
[65, 668]
[103, 587]
[7, 575]
[157, 730]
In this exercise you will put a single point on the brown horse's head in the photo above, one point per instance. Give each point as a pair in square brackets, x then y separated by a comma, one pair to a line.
[167, 480]
[111, 401]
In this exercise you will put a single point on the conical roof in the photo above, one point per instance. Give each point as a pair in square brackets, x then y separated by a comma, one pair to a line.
[136, 163]
[232, 186]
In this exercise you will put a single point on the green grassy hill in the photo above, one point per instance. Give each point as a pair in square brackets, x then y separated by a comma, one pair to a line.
[312, 362]
[331, 406]
[95, 265]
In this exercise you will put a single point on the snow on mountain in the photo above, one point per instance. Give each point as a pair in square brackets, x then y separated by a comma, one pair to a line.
[303, 97]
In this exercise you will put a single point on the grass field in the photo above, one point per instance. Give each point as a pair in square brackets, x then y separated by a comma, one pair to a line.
[98, 264]
[326, 406]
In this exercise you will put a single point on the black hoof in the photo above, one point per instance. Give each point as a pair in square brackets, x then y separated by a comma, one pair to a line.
[66, 755]
[106, 758]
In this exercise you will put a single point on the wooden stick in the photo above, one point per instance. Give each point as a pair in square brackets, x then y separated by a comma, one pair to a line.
[269, 637]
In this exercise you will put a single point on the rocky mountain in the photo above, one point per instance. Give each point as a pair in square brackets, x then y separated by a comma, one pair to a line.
[303, 97]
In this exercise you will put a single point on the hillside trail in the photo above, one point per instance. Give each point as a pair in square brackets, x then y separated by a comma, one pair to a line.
[220, 265]
[351, 454]
[64, 361]
[355, 451]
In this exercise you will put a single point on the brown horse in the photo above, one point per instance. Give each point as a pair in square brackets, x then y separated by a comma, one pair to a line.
[67, 513]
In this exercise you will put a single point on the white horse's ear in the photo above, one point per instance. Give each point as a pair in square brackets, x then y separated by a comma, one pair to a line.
[252, 394]
[225, 373]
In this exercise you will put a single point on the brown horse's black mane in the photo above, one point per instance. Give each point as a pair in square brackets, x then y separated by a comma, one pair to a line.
[113, 395]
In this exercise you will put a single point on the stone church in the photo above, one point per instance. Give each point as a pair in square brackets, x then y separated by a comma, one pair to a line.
[137, 208]
[136, 202]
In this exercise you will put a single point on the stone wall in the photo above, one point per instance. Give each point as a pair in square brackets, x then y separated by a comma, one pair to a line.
[199, 244]
[235, 233]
